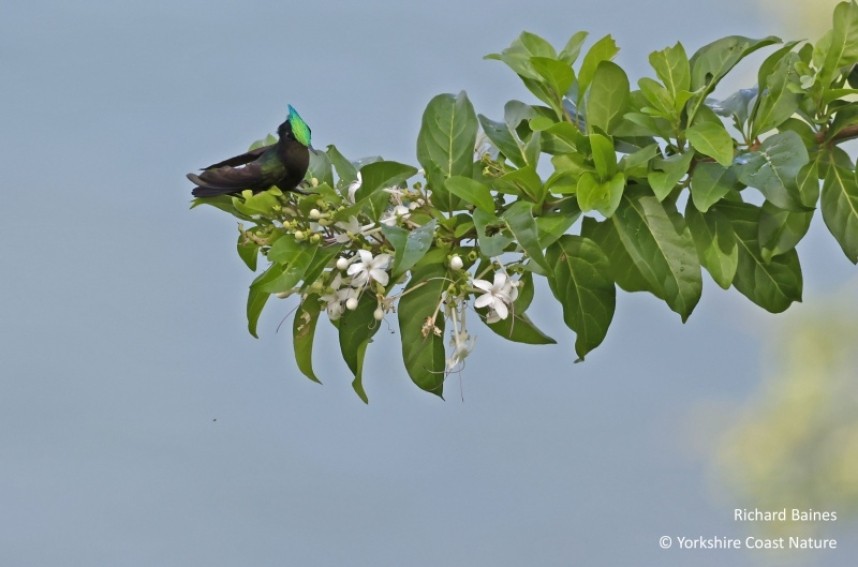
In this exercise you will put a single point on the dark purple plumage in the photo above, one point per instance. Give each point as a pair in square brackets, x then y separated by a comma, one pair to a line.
[283, 164]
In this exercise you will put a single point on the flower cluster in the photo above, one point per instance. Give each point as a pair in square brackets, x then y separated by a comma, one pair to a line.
[361, 270]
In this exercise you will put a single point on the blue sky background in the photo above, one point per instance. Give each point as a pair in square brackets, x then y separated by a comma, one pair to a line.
[141, 425]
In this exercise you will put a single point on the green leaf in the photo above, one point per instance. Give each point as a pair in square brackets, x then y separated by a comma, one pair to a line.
[637, 164]
[504, 140]
[668, 172]
[568, 168]
[519, 220]
[563, 137]
[772, 285]
[660, 102]
[346, 170]
[320, 168]
[518, 327]
[445, 144]
[581, 284]
[649, 125]
[603, 50]
[322, 256]
[622, 267]
[523, 181]
[517, 116]
[264, 203]
[536, 46]
[552, 225]
[672, 67]
[608, 97]
[285, 249]
[423, 349]
[845, 117]
[356, 329]
[248, 251]
[303, 333]
[602, 196]
[604, 156]
[517, 55]
[779, 100]
[472, 192]
[738, 106]
[709, 137]
[491, 239]
[557, 74]
[660, 246]
[572, 49]
[808, 182]
[382, 175]
[840, 203]
[710, 182]
[256, 300]
[409, 246]
[781, 230]
[292, 260]
[716, 244]
[711, 62]
[774, 168]
[842, 50]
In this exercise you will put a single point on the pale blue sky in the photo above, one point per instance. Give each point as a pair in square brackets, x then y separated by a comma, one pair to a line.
[122, 331]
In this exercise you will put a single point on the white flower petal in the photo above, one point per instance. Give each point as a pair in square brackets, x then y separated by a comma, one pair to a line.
[379, 275]
[481, 284]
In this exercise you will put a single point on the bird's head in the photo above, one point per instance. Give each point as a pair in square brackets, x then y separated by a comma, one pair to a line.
[296, 128]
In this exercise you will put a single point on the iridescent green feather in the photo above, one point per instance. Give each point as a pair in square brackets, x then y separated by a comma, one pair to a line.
[299, 128]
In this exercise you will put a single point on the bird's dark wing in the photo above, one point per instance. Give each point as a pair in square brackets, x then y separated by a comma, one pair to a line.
[249, 176]
[242, 159]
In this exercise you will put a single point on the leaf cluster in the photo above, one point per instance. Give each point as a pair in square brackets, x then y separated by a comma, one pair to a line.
[594, 186]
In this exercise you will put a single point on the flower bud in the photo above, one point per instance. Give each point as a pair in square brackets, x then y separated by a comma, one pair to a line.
[351, 303]
[315, 214]
[342, 263]
[378, 314]
[456, 262]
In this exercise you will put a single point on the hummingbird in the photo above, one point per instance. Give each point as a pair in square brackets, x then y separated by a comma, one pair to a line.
[283, 164]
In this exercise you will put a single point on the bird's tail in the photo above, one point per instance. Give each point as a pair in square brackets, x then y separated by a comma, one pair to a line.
[212, 191]
[206, 190]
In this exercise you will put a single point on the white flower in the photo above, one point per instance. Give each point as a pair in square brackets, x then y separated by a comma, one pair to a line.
[354, 186]
[462, 344]
[393, 216]
[339, 293]
[497, 296]
[460, 340]
[396, 194]
[350, 229]
[370, 268]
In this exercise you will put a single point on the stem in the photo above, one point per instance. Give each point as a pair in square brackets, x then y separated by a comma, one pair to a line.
[848, 133]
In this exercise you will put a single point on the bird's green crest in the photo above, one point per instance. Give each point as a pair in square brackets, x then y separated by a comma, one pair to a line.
[299, 128]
